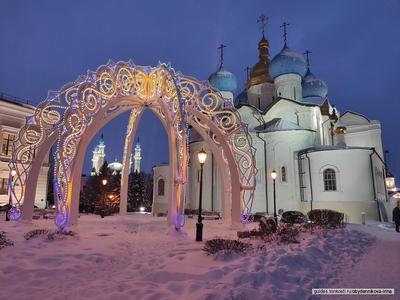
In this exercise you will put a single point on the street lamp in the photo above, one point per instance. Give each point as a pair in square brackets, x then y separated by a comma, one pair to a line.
[201, 156]
[104, 182]
[10, 185]
[274, 175]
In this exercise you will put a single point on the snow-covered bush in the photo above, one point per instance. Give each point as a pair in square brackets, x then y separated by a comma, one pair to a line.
[293, 217]
[216, 245]
[35, 233]
[4, 242]
[288, 233]
[326, 217]
[59, 234]
[267, 225]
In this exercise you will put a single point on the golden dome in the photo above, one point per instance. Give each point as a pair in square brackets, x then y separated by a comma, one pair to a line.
[260, 71]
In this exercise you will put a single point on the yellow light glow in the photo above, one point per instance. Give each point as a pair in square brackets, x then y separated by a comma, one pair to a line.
[202, 156]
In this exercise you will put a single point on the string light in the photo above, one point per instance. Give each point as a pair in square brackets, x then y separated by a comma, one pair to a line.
[178, 100]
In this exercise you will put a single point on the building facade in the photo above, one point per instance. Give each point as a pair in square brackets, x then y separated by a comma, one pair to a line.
[12, 117]
[324, 159]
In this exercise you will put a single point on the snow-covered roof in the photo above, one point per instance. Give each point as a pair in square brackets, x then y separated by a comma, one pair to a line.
[278, 124]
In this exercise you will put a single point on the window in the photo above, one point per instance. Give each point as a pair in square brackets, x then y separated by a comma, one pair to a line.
[330, 180]
[3, 186]
[7, 144]
[283, 174]
[161, 187]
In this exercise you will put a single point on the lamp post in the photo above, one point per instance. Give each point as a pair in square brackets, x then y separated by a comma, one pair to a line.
[274, 175]
[104, 183]
[10, 185]
[201, 156]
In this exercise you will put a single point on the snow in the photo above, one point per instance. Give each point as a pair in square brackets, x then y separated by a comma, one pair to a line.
[139, 257]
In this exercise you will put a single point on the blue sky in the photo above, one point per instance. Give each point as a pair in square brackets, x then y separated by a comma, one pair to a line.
[355, 45]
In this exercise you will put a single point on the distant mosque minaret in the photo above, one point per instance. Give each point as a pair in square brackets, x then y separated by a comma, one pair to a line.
[137, 157]
[99, 155]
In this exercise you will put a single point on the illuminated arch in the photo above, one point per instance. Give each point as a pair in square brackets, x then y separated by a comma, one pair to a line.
[73, 115]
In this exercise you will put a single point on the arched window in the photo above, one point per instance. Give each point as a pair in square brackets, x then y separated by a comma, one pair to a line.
[329, 180]
[160, 187]
[283, 174]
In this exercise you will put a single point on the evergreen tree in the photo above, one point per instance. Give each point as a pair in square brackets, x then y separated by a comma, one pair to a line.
[149, 192]
[91, 195]
[136, 191]
[50, 180]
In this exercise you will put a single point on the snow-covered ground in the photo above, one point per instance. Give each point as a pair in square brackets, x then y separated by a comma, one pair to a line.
[138, 257]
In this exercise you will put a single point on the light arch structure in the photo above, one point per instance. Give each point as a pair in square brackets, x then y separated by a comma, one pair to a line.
[71, 117]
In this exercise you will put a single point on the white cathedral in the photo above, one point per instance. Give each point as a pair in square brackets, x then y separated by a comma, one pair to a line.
[115, 167]
[324, 158]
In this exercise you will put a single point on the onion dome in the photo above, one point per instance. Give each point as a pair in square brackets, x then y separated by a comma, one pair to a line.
[241, 98]
[223, 80]
[260, 71]
[115, 167]
[313, 87]
[287, 62]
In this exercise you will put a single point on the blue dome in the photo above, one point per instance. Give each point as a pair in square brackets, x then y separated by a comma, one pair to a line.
[223, 80]
[287, 62]
[241, 98]
[313, 87]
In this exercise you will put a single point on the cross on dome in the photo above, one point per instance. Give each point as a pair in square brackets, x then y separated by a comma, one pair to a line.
[262, 20]
[221, 48]
[307, 54]
[284, 26]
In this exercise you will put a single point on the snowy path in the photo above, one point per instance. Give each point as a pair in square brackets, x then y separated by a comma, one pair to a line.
[378, 268]
[136, 257]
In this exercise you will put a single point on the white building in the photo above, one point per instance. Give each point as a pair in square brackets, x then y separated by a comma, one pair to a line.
[12, 118]
[99, 157]
[323, 159]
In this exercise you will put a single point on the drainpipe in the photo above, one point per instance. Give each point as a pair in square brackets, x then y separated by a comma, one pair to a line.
[212, 182]
[265, 170]
[300, 169]
[373, 185]
[309, 173]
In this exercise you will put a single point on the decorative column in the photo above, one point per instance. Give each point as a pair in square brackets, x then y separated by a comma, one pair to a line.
[130, 134]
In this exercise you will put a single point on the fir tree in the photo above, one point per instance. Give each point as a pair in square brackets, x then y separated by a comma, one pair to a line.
[136, 191]
[50, 180]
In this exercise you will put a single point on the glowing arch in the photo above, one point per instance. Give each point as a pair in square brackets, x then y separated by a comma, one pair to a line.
[73, 115]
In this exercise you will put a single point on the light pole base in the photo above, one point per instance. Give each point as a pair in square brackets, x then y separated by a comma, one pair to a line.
[199, 232]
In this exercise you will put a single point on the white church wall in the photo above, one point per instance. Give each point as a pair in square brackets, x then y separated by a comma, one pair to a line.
[354, 182]
[250, 116]
[160, 199]
[281, 146]
[211, 197]
[364, 136]
[261, 95]
[289, 86]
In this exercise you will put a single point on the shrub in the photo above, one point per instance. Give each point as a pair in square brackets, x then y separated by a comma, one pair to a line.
[4, 242]
[293, 217]
[288, 233]
[326, 217]
[247, 234]
[216, 245]
[52, 235]
[35, 233]
[267, 225]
